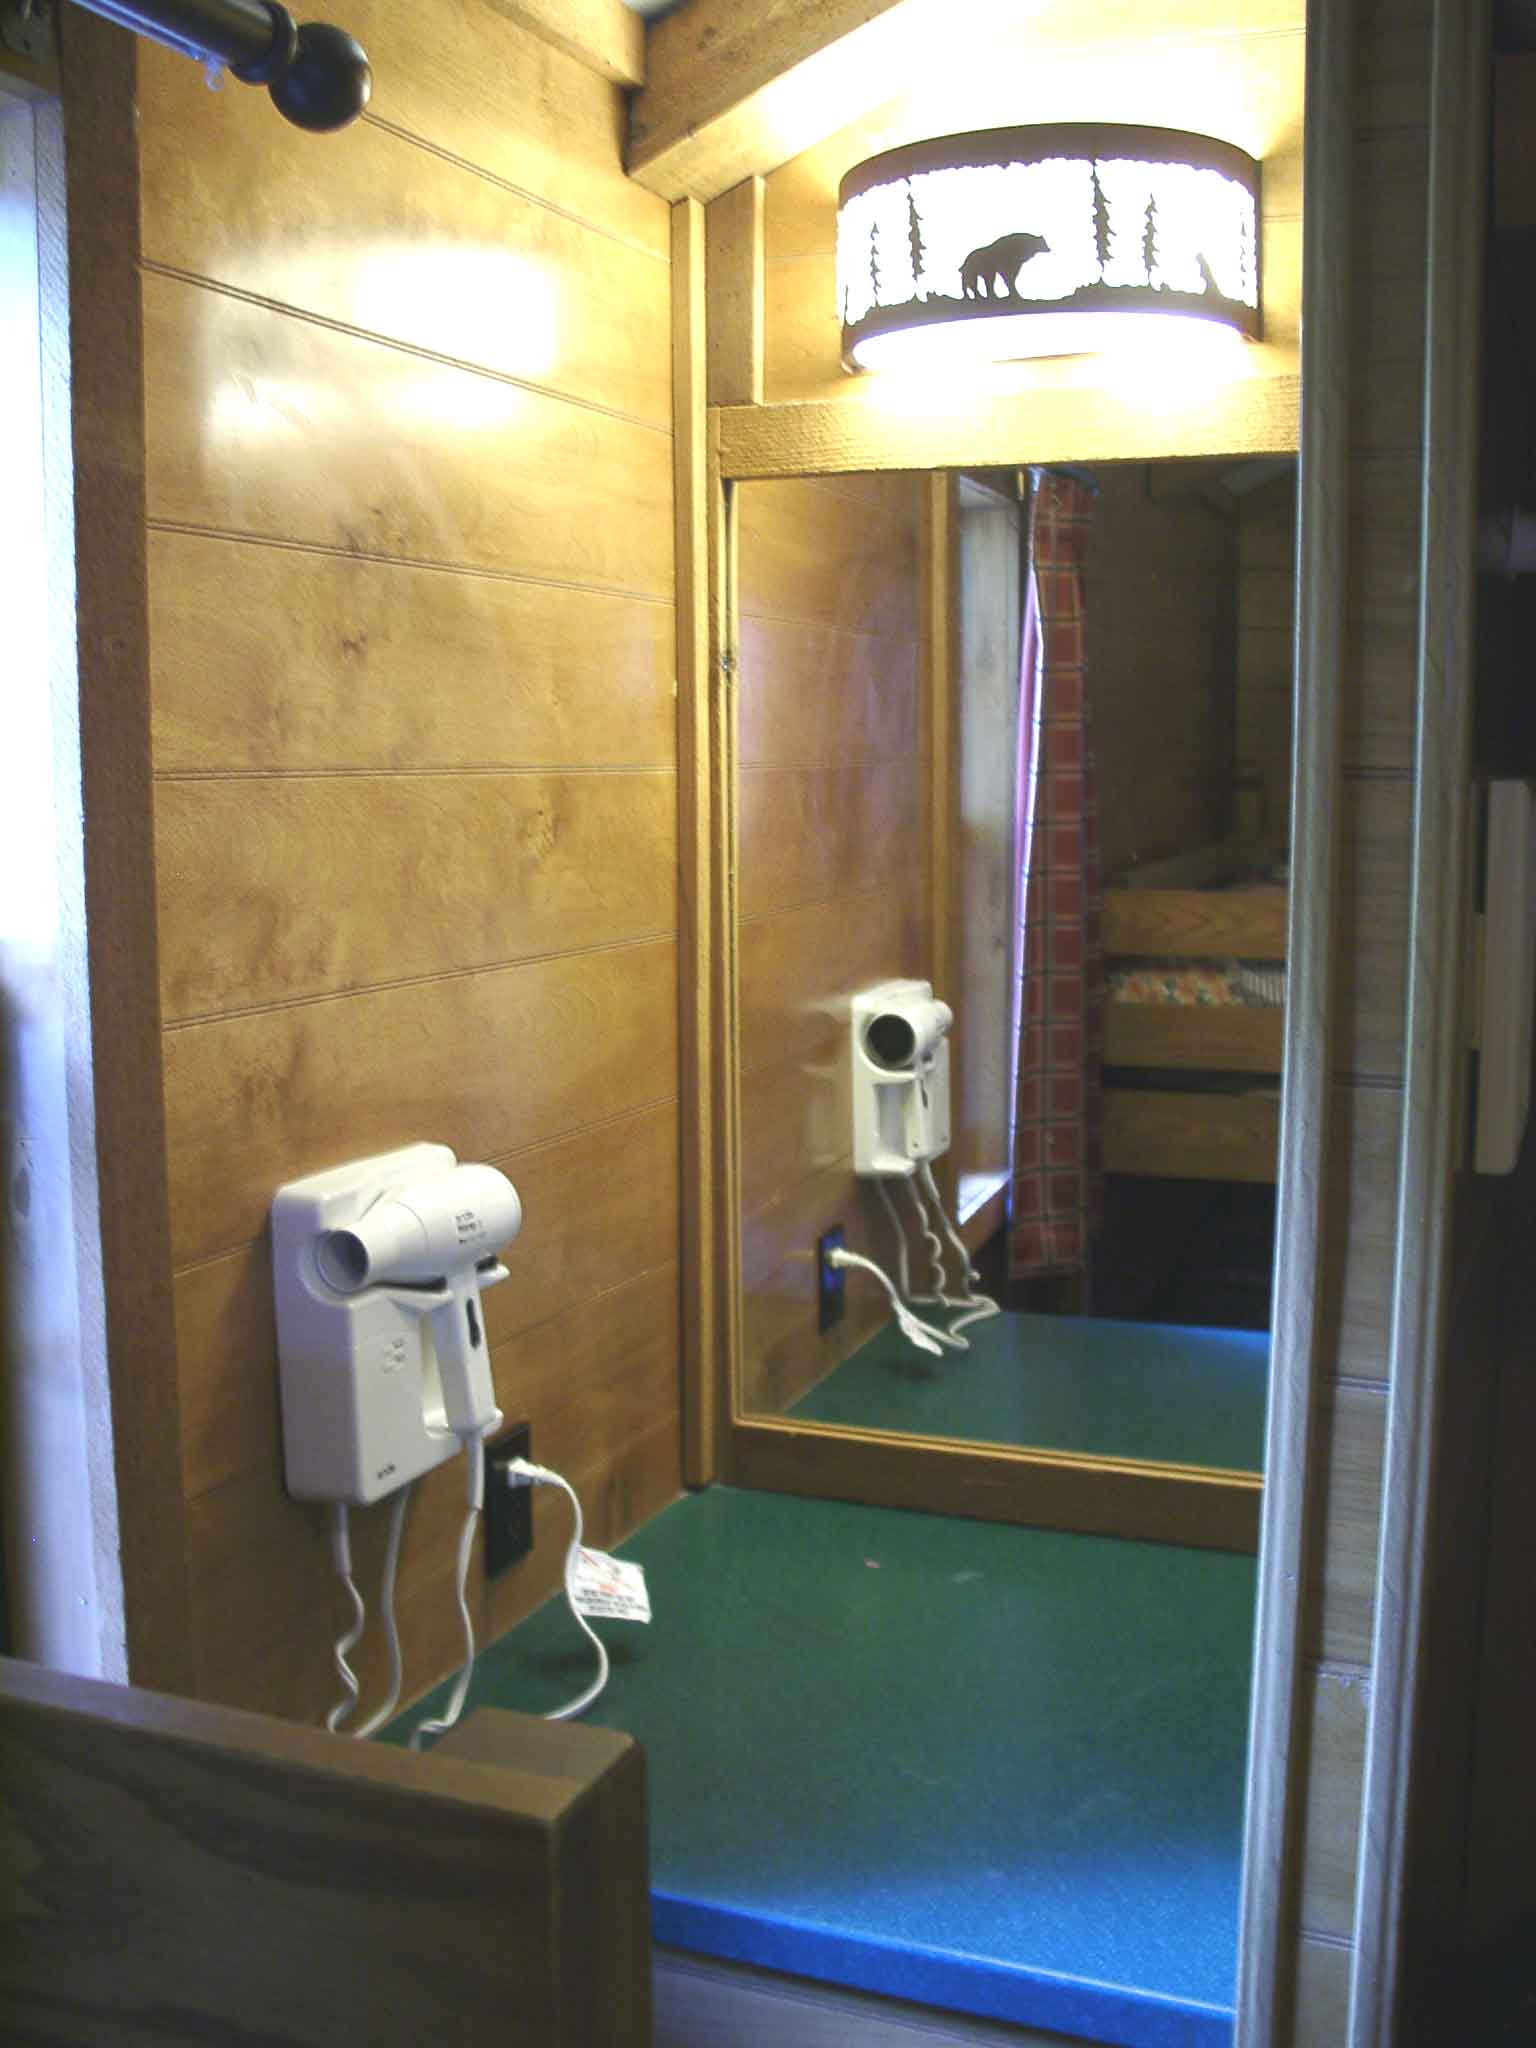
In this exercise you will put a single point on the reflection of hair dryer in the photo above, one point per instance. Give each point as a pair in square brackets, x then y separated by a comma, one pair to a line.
[432, 1245]
[899, 1041]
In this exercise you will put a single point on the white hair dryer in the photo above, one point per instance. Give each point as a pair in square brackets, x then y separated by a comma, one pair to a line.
[378, 1270]
[433, 1244]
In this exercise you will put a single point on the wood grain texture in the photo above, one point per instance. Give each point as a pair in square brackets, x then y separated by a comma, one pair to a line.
[1218, 1039]
[799, 969]
[1191, 1136]
[304, 433]
[267, 894]
[254, 1100]
[1347, 1525]
[598, 1209]
[1206, 924]
[726, 96]
[858, 700]
[487, 91]
[1336, 1702]
[733, 242]
[814, 552]
[1376, 835]
[108, 356]
[1354, 1297]
[604, 34]
[1148, 1503]
[1322, 1993]
[1003, 421]
[234, 1827]
[328, 661]
[399, 242]
[811, 833]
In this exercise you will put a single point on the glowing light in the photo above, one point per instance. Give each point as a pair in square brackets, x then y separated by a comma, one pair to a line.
[1022, 242]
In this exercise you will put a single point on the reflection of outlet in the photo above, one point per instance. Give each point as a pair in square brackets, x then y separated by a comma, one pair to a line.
[829, 1279]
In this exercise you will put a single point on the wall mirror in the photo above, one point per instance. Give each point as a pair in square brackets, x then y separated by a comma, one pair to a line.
[895, 820]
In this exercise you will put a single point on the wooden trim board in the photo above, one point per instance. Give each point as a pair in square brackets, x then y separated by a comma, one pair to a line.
[1275, 1756]
[1434, 1096]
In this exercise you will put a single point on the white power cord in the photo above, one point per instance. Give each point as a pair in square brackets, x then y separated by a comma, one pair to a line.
[380, 1715]
[978, 1307]
[347, 1642]
[912, 1327]
[441, 1723]
[520, 1472]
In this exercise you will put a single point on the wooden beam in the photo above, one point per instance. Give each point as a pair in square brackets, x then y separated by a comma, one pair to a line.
[1255, 416]
[734, 270]
[733, 92]
[605, 35]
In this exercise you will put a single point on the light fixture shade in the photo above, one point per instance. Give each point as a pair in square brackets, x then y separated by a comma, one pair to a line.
[1043, 241]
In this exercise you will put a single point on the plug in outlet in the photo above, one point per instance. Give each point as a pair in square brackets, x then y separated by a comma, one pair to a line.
[829, 1279]
[508, 1515]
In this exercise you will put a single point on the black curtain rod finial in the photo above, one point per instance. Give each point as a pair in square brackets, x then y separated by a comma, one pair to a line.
[329, 81]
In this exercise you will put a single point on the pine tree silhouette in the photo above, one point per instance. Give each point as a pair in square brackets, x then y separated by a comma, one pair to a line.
[874, 259]
[1149, 239]
[915, 243]
[1102, 235]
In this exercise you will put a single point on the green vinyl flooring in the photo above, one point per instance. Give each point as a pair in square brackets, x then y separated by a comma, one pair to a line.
[989, 1769]
[1173, 1395]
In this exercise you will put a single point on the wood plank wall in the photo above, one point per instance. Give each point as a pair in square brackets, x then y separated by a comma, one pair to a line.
[833, 879]
[1266, 595]
[1162, 608]
[411, 628]
[1386, 381]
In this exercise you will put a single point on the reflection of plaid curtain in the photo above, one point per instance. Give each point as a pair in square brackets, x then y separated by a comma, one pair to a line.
[1058, 960]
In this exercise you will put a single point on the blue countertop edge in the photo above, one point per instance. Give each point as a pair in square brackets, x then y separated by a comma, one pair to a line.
[933, 1977]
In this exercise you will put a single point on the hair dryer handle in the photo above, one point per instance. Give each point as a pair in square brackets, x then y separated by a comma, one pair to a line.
[464, 1357]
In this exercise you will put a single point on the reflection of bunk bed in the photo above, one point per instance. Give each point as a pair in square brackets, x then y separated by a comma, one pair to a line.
[1193, 1030]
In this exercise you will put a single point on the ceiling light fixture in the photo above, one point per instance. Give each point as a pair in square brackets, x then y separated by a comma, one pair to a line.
[1044, 241]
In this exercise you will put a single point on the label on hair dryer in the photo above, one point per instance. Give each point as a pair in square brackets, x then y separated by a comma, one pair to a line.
[607, 1587]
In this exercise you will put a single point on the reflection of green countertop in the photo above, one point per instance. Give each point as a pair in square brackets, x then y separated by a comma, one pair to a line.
[989, 1769]
[1064, 1383]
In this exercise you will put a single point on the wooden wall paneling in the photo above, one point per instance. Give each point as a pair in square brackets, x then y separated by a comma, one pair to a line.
[257, 1099]
[733, 237]
[809, 833]
[287, 443]
[1436, 1028]
[487, 92]
[796, 968]
[234, 1827]
[698, 1050]
[400, 242]
[107, 348]
[816, 551]
[935, 828]
[796, 1118]
[264, 897]
[329, 661]
[1192, 1136]
[861, 697]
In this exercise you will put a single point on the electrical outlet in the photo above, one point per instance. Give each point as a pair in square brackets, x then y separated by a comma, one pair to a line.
[508, 1514]
[829, 1279]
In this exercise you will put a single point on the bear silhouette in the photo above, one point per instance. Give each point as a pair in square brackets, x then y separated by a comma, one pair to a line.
[993, 272]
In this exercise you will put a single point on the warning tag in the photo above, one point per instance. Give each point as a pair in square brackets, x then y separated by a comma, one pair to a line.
[608, 1587]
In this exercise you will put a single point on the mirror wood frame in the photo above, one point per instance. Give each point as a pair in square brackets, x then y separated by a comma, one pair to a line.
[1167, 1502]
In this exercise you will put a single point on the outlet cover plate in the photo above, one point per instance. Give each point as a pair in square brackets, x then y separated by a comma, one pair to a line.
[508, 1515]
[829, 1279]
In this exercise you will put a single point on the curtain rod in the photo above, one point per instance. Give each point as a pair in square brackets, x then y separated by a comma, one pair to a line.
[318, 76]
